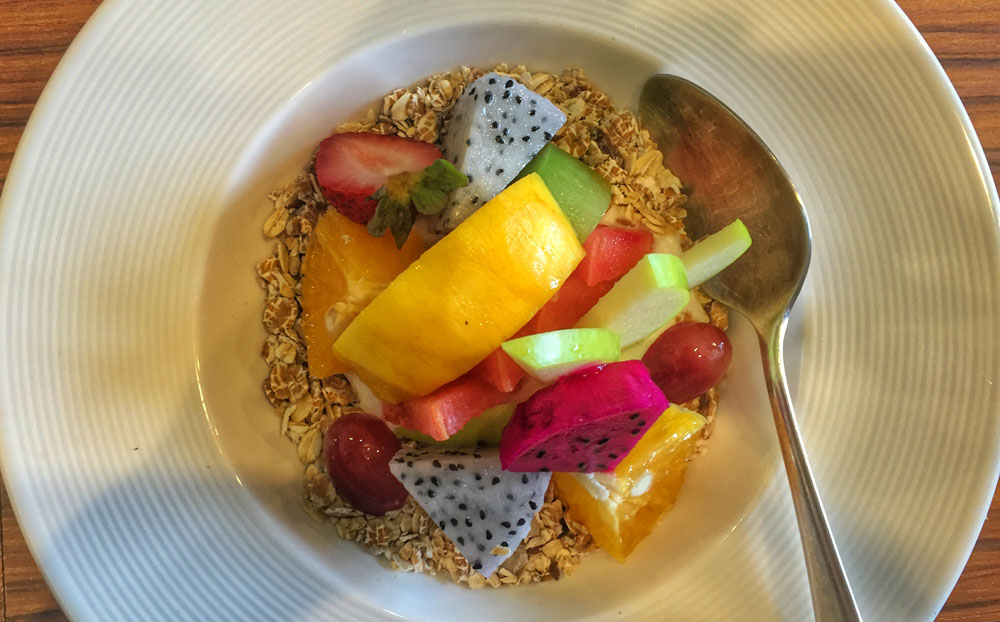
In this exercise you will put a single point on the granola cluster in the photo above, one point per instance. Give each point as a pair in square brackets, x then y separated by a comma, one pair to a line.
[644, 193]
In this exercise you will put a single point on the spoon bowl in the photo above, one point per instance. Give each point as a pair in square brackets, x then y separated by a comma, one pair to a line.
[730, 173]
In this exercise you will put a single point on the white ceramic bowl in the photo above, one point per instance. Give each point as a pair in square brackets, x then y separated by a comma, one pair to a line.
[146, 467]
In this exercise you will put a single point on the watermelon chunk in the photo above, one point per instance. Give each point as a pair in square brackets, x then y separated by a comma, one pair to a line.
[611, 252]
[445, 411]
[569, 304]
[499, 371]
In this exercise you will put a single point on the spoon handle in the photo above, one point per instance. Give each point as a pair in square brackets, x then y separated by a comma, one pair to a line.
[831, 593]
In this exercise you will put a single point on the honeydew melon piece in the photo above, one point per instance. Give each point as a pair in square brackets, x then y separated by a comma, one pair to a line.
[579, 190]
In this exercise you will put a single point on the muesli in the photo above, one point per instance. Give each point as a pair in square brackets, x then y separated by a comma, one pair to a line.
[396, 243]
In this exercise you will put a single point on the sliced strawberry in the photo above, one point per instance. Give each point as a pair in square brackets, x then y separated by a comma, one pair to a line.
[351, 167]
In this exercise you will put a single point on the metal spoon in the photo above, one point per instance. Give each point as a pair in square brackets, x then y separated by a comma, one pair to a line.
[732, 174]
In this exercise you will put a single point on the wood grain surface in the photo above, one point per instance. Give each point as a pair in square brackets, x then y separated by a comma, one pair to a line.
[965, 35]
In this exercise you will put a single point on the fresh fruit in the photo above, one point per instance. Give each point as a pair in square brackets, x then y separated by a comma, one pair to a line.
[573, 300]
[643, 300]
[693, 311]
[344, 269]
[668, 241]
[496, 127]
[499, 370]
[358, 448]
[465, 296]
[483, 429]
[621, 508]
[713, 253]
[447, 410]
[351, 167]
[688, 359]
[580, 191]
[484, 510]
[547, 356]
[610, 255]
[612, 252]
[586, 421]
[424, 191]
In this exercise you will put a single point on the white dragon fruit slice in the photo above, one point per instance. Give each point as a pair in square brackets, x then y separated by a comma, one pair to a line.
[496, 128]
[484, 510]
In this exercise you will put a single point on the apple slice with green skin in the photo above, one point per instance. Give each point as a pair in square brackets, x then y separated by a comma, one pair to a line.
[713, 253]
[482, 430]
[692, 311]
[643, 300]
[547, 356]
[579, 190]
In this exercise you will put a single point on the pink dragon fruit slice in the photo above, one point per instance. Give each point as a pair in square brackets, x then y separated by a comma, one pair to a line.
[484, 510]
[585, 422]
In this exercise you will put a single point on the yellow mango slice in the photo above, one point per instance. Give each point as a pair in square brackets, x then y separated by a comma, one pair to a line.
[621, 508]
[465, 296]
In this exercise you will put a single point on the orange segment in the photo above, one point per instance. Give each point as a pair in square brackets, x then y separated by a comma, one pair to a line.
[345, 267]
[621, 508]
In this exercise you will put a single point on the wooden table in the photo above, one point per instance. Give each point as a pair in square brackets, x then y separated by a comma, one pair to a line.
[965, 34]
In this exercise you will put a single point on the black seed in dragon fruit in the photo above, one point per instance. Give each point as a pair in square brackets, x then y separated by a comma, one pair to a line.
[484, 510]
[586, 422]
[496, 128]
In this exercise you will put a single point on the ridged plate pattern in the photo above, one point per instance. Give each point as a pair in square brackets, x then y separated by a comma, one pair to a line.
[134, 512]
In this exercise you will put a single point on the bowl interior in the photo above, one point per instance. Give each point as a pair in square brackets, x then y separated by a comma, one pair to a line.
[722, 485]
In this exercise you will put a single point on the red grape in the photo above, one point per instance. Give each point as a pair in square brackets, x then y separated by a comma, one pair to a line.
[688, 359]
[358, 448]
